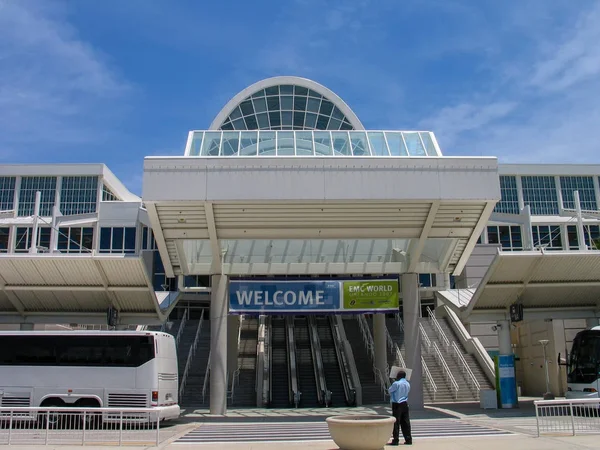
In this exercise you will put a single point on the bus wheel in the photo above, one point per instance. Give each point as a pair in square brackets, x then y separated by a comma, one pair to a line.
[89, 420]
[50, 419]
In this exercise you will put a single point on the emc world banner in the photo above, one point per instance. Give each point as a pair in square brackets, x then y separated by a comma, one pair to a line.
[317, 296]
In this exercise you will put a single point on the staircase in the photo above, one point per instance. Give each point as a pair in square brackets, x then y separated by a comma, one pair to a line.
[244, 393]
[446, 392]
[279, 367]
[187, 339]
[307, 384]
[192, 394]
[331, 365]
[371, 390]
[483, 380]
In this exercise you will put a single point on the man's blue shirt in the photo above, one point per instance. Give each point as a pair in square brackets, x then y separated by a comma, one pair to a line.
[399, 391]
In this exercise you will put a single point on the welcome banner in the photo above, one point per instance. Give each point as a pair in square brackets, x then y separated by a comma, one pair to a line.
[312, 296]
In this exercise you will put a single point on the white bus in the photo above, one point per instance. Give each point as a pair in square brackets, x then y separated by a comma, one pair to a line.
[89, 369]
[583, 367]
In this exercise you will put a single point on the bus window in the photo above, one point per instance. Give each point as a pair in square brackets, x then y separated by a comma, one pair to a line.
[584, 362]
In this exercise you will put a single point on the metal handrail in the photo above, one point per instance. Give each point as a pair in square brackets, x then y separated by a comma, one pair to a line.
[425, 337]
[384, 383]
[268, 376]
[394, 348]
[446, 369]
[366, 334]
[465, 366]
[292, 365]
[399, 321]
[181, 327]
[429, 378]
[206, 377]
[323, 394]
[438, 328]
[191, 354]
[349, 388]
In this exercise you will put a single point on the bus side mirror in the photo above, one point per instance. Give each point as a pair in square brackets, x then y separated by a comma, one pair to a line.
[562, 361]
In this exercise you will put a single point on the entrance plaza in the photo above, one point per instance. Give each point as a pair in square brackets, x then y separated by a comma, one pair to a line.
[297, 257]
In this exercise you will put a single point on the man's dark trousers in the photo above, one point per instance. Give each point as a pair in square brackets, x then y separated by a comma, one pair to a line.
[400, 412]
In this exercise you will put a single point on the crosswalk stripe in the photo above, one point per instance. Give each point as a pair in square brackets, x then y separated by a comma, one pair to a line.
[213, 433]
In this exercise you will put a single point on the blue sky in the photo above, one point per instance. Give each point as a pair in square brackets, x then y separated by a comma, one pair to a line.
[115, 80]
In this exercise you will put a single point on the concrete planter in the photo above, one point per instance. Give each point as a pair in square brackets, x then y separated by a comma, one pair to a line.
[369, 432]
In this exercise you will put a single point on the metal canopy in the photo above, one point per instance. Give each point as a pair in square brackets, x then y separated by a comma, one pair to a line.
[242, 216]
[537, 279]
[77, 288]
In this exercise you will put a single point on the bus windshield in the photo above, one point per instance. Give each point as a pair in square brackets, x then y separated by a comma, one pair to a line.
[585, 358]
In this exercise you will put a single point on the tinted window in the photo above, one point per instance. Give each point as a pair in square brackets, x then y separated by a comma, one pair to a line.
[118, 351]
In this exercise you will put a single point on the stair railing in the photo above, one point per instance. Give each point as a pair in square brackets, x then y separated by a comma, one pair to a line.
[366, 335]
[429, 378]
[345, 370]
[295, 394]
[191, 354]
[426, 340]
[447, 372]
[206, 378]
[261, 365]
[181, 327]
[383, 381]
[394, 348]
[438, 329]
[465, 367]
[399, 321]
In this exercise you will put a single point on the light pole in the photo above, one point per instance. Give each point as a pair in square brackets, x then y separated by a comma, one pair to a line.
[548, 395]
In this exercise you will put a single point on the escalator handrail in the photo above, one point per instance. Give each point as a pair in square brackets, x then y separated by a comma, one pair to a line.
[323, 395]
[269, 349]
[294, 394]
[349, 389]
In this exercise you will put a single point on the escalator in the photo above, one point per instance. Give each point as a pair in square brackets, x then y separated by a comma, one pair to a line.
[331, 365]
[280, 397]
[306, 370]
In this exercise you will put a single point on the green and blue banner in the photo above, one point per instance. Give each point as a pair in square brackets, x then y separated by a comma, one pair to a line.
[254, 296]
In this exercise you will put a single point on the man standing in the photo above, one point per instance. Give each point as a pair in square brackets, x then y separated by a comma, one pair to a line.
[399, 396]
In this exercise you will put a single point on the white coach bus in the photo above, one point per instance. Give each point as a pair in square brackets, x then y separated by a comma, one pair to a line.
[89, 369]
[583, 370]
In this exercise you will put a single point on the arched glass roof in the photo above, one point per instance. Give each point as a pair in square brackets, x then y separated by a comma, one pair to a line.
[312, 143]
[286, 107]
[286, 103]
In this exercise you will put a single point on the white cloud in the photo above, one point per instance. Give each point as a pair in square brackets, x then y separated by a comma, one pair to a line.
[539, 107]
[53, 86]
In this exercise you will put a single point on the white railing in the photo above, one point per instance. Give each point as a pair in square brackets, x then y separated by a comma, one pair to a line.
[429, 378]
[181, 327]
[383, 381]
[438, 328]
[190, 357]
[446, 369]
[394, 348]
[80, 426]
[366, 335]
[465, 367]
[581, 416]
[426, 340]
[399, 321]
[205, 385]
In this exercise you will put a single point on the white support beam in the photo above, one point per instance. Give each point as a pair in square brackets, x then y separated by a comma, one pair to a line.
[487, 212]
[183, 264]
[416, 246]
[160, 239]
[217, 263]
[12, 298]
[90, 318]
[488, 274]
[544, 284]
[83, 288]
[105, 284]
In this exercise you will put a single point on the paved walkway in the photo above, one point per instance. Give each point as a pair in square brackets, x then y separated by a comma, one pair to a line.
[443, 427]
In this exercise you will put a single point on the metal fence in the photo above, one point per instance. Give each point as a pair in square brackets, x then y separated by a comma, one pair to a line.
[79, 426]
[563, 417]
